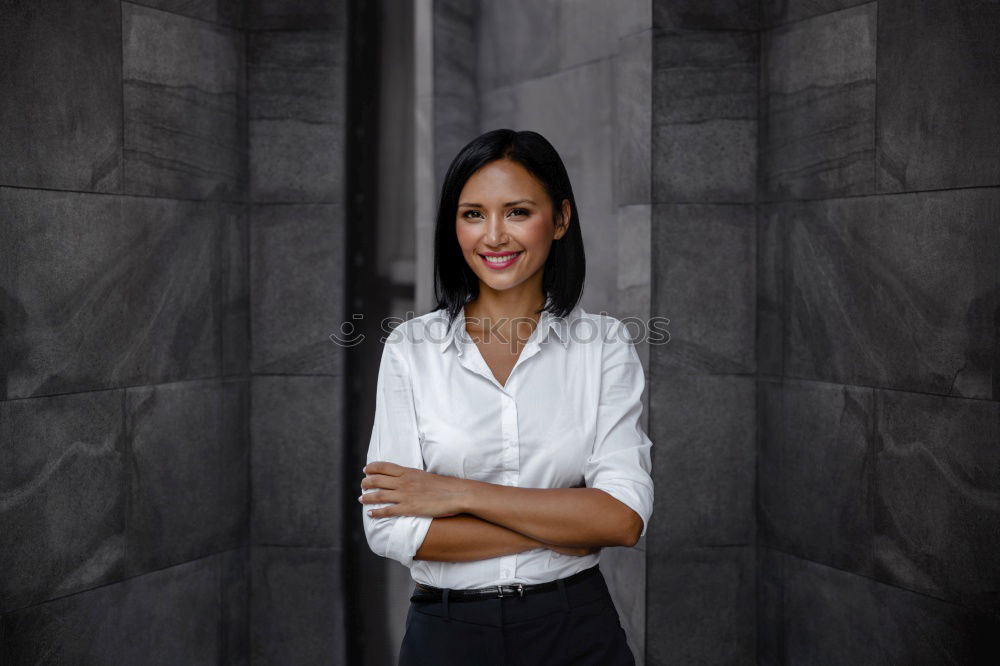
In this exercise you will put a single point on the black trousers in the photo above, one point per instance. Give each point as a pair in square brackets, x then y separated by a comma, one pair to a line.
[572, 625]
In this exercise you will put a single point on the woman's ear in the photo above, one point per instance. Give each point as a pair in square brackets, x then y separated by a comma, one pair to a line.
[562, 225]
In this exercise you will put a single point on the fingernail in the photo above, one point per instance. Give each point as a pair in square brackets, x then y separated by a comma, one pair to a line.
[359, 499]
[370, 512]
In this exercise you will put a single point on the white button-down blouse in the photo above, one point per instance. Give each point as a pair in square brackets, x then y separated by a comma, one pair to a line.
[567, 416]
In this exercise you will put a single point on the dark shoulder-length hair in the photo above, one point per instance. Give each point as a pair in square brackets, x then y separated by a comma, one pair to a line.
[455, 284]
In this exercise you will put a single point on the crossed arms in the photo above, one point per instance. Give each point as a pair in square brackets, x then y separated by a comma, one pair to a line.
[472, 520]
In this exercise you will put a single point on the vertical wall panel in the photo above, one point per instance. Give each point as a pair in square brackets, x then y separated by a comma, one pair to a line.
[183, 99]
[877, 330]
[938, 94]
[61, 107]
[296, 115]
[704, 116]
[818, 106]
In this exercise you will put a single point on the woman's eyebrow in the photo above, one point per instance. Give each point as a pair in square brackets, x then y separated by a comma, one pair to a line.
[509, 203]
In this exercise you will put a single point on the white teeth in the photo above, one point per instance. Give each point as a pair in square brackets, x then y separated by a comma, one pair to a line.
[500, 260]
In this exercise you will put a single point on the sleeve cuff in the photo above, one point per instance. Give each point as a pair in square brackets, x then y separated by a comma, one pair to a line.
[628, 494]
[406, 537]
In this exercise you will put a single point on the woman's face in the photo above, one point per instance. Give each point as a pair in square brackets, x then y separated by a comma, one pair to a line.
[503, 210]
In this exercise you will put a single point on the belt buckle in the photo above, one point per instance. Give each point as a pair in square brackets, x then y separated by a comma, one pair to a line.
[519, 586]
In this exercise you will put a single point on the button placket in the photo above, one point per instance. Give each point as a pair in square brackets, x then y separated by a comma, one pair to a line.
[510, 465]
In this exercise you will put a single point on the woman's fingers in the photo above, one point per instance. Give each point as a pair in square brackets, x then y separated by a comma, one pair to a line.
[381, 497]
[378, 481]
[383, 467]
[378, 497]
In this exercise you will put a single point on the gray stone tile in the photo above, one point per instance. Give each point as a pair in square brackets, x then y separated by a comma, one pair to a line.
[770, 293]
[633, 80]
[938, 466]
[634, 260]
[704, 116]
[188, 466]
[226, 12]
[915, 629]
[701, 601]
[297, 275]
[234, 446]
[235, 268]
[296, 110]
[296, 14]
[703, 460]
[456, 94]
[815, 472]
[525, 47]
[587, 31]
[235, 607]
[834, 617]
[184, 121]
[62, 495]
[297, 606]
[829, 616]
[633, 306]
[298, 492]
[106, 291]
[703, 277]
[633, 16]
[775, 12]
[817, 133]
[938, 94]
[770, 613]
[706, 14]
[61, 109]
[634, 268]
[175, 334]
[863, 307]
[166, 617]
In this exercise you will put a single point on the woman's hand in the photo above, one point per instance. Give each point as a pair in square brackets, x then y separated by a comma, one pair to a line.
[413, 492]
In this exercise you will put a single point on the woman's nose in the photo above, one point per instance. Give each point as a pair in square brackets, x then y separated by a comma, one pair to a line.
[494, 230]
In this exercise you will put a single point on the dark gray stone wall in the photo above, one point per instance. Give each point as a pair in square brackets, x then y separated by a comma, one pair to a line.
[296, 82]
[878, 294]
[124, 486]
[701, 567]
[826, 243]
[169, 486]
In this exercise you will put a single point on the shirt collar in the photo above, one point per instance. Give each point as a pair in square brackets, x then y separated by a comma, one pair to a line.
[547, 323]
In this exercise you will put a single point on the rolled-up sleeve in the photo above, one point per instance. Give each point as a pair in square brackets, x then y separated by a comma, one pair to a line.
[620, 462]
[395, 438]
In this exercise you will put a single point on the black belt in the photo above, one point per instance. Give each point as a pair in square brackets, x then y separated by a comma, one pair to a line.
[430, 593]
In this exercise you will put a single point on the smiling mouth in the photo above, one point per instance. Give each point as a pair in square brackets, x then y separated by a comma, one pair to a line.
[501, 261]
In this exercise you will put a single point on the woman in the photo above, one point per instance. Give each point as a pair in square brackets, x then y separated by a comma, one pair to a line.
[506, 449]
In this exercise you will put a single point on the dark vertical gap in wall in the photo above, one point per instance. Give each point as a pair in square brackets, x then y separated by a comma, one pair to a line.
[874, 449]
[246, 371]
[364, 606]
[123, 185]
[125, 445]
[875, 186]
[759, 35]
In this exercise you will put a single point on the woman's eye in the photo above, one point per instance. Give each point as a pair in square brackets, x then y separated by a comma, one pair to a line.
[516, 211]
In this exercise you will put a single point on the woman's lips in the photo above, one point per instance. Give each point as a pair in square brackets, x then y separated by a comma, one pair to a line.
[500, 266]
